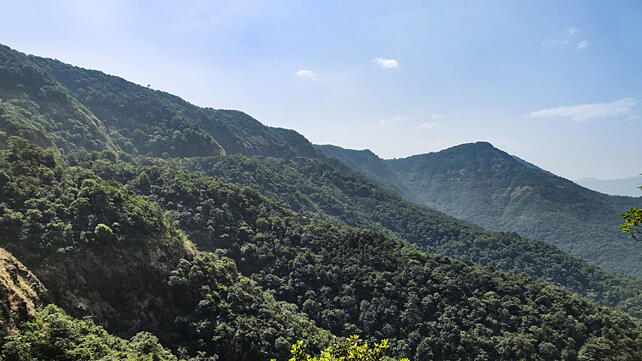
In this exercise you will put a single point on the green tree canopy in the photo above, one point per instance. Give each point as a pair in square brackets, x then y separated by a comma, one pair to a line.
[351, 349]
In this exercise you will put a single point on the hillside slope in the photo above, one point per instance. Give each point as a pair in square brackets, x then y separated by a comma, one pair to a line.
[360, 281]
[36, 107]
[324, 189]
[58, 105]
[21, 292]
[484, 185]
[164, 125]
[109, 243]
[104, 252]
[152, 122]
[54, 335]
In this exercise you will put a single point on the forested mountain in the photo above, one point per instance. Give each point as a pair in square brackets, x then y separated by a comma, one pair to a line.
[99, 250]
[41, 101]
[347, 280]
[484, 185]
[36, 107]
[310, 184]
[104, 228]
[321, 188]
[110, 95]
[623, 187]
[152, 122]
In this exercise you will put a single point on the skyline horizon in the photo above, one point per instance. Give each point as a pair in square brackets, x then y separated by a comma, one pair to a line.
[378, 154]
[553, 83]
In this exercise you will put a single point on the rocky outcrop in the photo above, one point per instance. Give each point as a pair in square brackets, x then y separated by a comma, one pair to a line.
[20, 293]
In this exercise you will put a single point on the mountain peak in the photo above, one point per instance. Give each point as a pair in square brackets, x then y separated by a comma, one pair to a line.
[480, 144]
[474, 146]
[480, 183]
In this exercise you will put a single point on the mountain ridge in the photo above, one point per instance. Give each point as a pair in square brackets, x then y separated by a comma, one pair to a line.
[35, 106]
[229, 131]
[426, 231]
[92, 222]
[487, 186]
[142, 98]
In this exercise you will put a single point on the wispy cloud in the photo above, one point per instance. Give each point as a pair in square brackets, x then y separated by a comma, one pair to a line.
[437, 116]
[554, 43]
[566, 39]
[585, 112]
[392, 120]
[307, 74]
[582, 44]
[428, 125]
[386, 63]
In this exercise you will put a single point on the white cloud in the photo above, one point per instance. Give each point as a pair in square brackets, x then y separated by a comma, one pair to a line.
[386, 63]
[437, 116]
[303, 73]
[582, 44]
[396, 119]
[428, 125]
[557, 43]
[585, 112]
[566, 39]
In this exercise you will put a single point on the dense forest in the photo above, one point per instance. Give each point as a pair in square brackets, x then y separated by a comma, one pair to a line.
[320, 188]
[309, 183]
[172, 232]
[101, 251]
[347, 280]
[484, 185]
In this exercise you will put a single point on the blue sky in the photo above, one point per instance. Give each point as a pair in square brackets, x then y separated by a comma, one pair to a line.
[558, 83]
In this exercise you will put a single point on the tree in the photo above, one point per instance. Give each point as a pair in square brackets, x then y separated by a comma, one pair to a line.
[104, 233]
[351, 349]
[53, 335]
[632, 222]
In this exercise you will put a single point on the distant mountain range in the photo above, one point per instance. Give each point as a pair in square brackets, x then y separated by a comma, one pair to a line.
[620, 187]
[487, 186]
